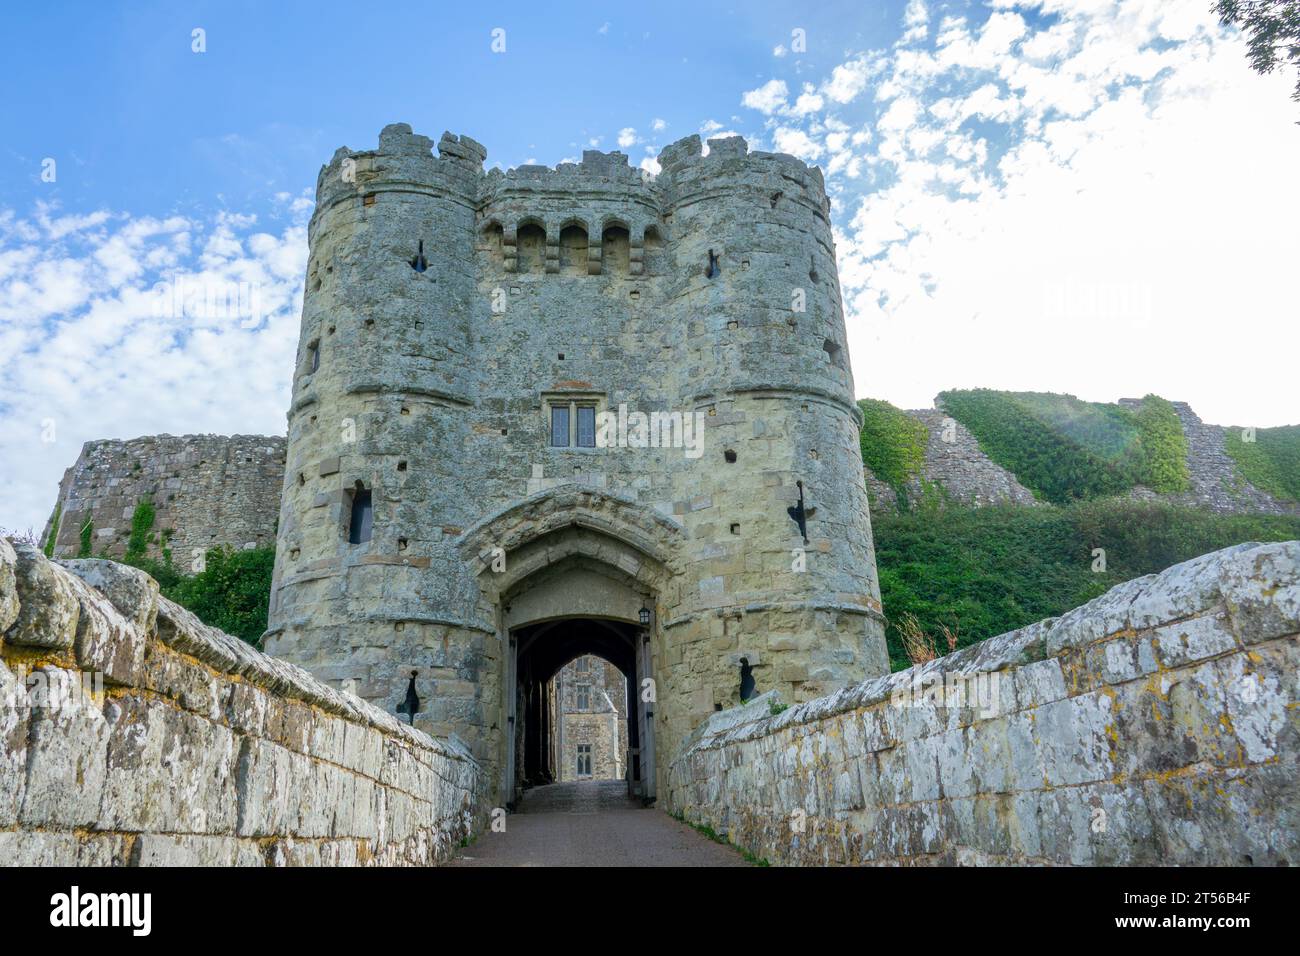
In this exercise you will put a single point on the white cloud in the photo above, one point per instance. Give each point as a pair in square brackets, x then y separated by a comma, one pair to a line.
[626, 137]
[848, 80]
[1073, 195]
[768, 98]
[809, 101]
[797, 143]
[106, 331]
[1115, 249]
[659, 125]
[779, 50]
[916, 19]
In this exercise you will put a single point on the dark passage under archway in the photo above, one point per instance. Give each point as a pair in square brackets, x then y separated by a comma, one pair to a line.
[542, 650]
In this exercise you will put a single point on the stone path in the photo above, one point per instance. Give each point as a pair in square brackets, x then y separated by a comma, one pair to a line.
[592, 823]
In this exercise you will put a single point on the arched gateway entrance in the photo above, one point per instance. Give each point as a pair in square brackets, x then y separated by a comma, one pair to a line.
[577, 605]
[569, 573]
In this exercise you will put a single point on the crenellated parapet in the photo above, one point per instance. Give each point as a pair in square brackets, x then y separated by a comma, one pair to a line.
[574, 214]
[618, 210]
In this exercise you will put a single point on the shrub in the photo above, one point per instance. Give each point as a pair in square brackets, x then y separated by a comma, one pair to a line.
[983, 571]
[1271, 462]
[1164, 446]
[232, 592]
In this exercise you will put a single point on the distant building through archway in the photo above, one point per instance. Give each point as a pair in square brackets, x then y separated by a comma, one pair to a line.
[589, 739]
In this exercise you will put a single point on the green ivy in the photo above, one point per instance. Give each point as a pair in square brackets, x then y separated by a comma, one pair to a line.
[1271, 462]
[142, 519]
[54, 530]
[985, 571]
[87, 536]
[893, 445]
[1164, 446]
[1064, 449]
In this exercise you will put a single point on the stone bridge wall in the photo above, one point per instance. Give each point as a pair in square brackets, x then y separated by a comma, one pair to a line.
[199, 749]
[1155, 725]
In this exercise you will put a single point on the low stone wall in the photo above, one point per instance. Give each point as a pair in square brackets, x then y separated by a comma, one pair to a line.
[1157, 724]
[131, 733]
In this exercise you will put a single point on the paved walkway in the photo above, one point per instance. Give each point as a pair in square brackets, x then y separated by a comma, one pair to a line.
[592, 823]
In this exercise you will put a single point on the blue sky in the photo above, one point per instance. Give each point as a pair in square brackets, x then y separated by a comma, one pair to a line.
[1060, 195]
[145, 122]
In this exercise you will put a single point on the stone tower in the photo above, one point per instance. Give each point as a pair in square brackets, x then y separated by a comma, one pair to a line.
[471, 492]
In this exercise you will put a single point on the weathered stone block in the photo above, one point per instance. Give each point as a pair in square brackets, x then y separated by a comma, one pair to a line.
[13, 744]
[8, 586]
[195, 850]
[1261, 586]
[167, 770]
[1038, 683]
[106, 641]
[265, 788]
[1194, 639]
[133, 592]
[48, 607]
[66, 753]
[38, 848]
[1230, 817]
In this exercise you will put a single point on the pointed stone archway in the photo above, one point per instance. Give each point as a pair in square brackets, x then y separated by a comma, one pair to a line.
[566, 573]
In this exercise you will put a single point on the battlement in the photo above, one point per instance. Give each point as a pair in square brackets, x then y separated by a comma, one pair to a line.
[406, 160]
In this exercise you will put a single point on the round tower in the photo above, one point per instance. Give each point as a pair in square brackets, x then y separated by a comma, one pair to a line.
[764, 362]
[367, 586]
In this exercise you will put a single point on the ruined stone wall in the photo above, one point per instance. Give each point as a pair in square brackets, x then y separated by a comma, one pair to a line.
[1216, 482]
[207, 490]
[1157, 724]
[131, 733]
[957, 466]
[955, 463]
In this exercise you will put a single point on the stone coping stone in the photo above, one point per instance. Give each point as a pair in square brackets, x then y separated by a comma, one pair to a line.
[40, 602]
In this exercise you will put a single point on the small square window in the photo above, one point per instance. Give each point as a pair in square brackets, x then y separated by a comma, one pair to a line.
[571, 419]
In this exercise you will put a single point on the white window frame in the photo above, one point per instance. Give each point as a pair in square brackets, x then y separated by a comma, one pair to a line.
[584, 750]
[573, 401]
